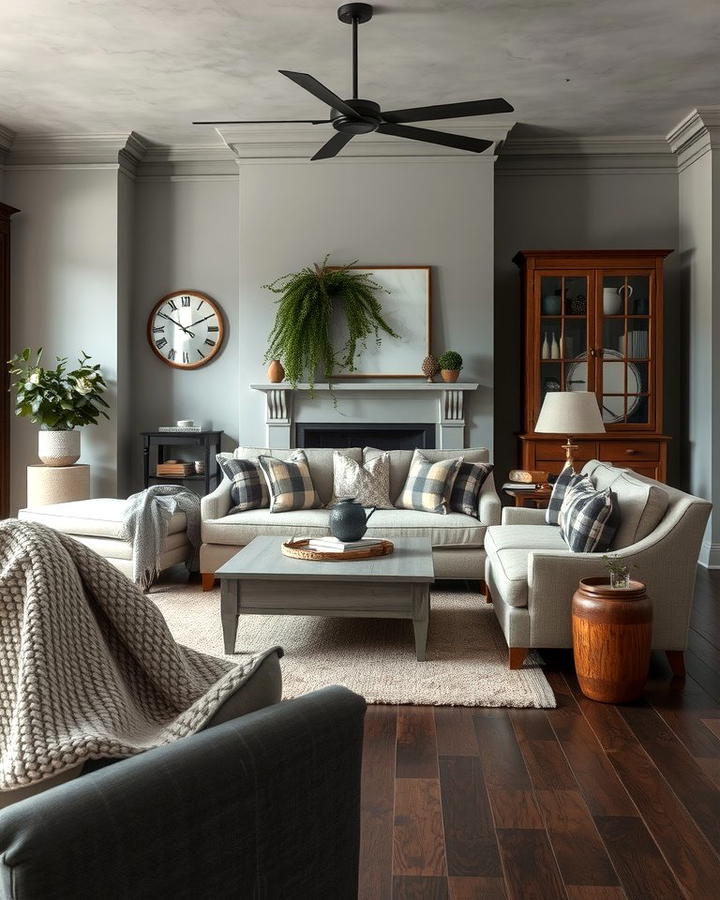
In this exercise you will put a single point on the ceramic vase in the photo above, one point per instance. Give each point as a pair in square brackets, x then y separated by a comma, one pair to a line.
[612, 301]
[275, 371]
[449, 374]
[555, 348]
[545, 350]
[59, 448]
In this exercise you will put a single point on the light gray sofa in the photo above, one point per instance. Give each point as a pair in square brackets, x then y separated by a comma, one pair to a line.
[531, 575]
[457, 539]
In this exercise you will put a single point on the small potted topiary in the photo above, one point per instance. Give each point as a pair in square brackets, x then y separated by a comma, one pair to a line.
[450, 365]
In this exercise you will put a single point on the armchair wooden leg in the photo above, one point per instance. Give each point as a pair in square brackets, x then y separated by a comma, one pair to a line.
[516, 657]
[677, 662]
[208, 581]
[488, 595]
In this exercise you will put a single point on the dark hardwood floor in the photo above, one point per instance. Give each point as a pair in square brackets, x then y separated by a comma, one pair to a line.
[587, 801]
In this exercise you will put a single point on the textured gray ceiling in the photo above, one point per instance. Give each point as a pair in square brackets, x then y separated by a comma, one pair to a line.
[612, 67]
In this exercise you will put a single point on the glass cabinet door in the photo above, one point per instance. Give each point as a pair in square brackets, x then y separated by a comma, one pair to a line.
[565, 322]
[625, 352]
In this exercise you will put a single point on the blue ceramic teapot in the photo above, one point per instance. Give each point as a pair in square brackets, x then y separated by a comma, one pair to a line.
[348, 520]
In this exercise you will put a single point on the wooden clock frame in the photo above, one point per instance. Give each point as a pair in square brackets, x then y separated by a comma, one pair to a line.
[221, 326]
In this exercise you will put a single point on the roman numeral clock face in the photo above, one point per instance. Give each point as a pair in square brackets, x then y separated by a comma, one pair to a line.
[186, 329]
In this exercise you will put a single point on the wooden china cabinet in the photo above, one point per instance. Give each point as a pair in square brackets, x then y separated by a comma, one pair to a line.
[594, 322]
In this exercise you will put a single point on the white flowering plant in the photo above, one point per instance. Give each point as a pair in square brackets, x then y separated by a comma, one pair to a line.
[55, 399]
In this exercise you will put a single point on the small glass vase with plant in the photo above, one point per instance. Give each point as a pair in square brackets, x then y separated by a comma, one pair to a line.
[619, 572]
[58, 401]
[450, 363]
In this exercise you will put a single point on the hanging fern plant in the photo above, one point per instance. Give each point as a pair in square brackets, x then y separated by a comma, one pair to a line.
[300, 337]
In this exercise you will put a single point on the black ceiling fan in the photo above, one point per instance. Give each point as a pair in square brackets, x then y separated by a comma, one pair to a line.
[356, 116]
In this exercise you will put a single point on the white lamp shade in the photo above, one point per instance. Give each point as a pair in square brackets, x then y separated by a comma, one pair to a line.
[570, 412]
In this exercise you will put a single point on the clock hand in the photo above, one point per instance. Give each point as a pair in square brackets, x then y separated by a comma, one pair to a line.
[193, 324]
[170, 319]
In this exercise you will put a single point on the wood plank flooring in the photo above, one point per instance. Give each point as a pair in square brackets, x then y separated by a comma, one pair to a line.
[585, 802]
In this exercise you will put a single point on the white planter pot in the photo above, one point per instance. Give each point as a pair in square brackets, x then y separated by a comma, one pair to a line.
[59, 448]
[612, 301]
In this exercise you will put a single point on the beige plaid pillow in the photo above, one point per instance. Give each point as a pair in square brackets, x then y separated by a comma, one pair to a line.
[289, 482]
[429, 484]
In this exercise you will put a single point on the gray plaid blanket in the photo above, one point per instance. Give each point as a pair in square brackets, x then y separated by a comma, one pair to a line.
[88, 667]
[147, 516]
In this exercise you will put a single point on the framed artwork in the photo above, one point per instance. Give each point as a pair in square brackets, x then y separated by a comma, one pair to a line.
[407, 309]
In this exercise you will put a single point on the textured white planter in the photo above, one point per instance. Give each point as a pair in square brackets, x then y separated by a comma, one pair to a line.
[59, 448]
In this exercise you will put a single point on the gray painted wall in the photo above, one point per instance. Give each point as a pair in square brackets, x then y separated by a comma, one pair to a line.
[186, 236]
[378, 211]
[64, 296]
[584, 210]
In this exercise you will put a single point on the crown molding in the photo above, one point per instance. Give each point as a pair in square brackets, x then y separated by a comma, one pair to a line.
[6, 138]
[567, 155]
[188, 162]
[253, 144]
[75, 150]
[695, 135]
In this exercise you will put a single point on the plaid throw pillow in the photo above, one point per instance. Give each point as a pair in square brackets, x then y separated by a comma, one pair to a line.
[588, 518]
[465, 494]
[289, 482]
[248, 489]
[429, 484]
[564, 480]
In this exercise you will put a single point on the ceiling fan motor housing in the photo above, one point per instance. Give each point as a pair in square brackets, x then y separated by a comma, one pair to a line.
[368, 118]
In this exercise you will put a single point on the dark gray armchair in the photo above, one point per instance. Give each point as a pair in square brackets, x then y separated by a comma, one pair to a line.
[265, 806]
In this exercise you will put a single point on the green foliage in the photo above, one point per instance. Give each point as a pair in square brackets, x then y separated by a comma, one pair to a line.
[451, 361]
[300, 337]
[54, 399]
[616, 565]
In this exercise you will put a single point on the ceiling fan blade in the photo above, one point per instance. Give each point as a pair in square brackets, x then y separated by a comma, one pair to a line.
[333, 146]
[458, 141]
[320, 91]
[449, 111]
[268, 122]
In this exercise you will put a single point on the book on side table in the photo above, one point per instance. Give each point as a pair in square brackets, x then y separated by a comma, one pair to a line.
[334, 545]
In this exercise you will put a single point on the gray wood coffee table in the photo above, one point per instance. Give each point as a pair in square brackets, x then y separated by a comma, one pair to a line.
[259, 580]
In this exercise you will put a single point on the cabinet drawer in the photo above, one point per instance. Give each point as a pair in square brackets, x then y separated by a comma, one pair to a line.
[629, 451]
[550, 450]
[650, 470]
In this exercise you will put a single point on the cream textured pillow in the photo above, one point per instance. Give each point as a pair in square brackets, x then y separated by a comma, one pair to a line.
[429, 484]
[368, 485]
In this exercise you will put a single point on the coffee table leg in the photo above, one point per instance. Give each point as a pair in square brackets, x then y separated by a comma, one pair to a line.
[421, 618]
[229, 590]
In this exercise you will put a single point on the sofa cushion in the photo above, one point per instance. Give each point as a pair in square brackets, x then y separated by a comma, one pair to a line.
[454, 529]
[102, 517]
[465, 494]
[429, 484]
[589, 519]
[400, 461]
[290, 483]
[642, 506]
[248, 489]
[523, 537]
[320, 463]
[368, 484]
[240, 528]
[603, 475]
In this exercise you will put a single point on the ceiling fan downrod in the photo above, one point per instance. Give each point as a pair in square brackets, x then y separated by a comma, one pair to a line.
[355, 14]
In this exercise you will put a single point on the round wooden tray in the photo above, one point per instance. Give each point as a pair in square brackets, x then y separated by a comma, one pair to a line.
[300, 550]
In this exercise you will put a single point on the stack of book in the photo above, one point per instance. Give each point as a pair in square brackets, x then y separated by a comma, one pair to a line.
[334, 545]
[174, 468]
[172, 429]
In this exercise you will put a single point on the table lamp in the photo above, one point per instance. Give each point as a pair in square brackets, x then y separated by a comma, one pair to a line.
[569, 413]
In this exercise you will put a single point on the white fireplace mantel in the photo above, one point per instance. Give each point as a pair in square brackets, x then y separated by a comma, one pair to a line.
[449, 412]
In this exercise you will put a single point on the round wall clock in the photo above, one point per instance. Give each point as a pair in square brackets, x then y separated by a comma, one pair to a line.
[185, 329]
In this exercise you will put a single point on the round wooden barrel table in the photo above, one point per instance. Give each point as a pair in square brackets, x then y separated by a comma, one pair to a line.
[612, 631]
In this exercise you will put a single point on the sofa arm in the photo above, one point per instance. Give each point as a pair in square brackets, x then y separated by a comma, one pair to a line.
[489, 505]
[216, 504]
[267, 805]
[522, 515]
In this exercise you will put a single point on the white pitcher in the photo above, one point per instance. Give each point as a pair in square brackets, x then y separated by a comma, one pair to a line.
[613, 299]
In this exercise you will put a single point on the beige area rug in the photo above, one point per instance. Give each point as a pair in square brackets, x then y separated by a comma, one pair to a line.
[466, 661]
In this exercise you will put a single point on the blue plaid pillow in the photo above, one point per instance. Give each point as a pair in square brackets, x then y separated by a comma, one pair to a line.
[248, 489]
[465, 494]
[565, 479]
[588, 518]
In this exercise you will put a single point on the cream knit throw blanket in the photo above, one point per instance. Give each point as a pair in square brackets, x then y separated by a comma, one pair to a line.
[88, 667]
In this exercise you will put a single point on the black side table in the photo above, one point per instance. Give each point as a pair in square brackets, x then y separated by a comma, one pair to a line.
[165, 441]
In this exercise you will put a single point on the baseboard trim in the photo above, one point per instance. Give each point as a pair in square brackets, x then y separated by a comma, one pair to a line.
[710, 555]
